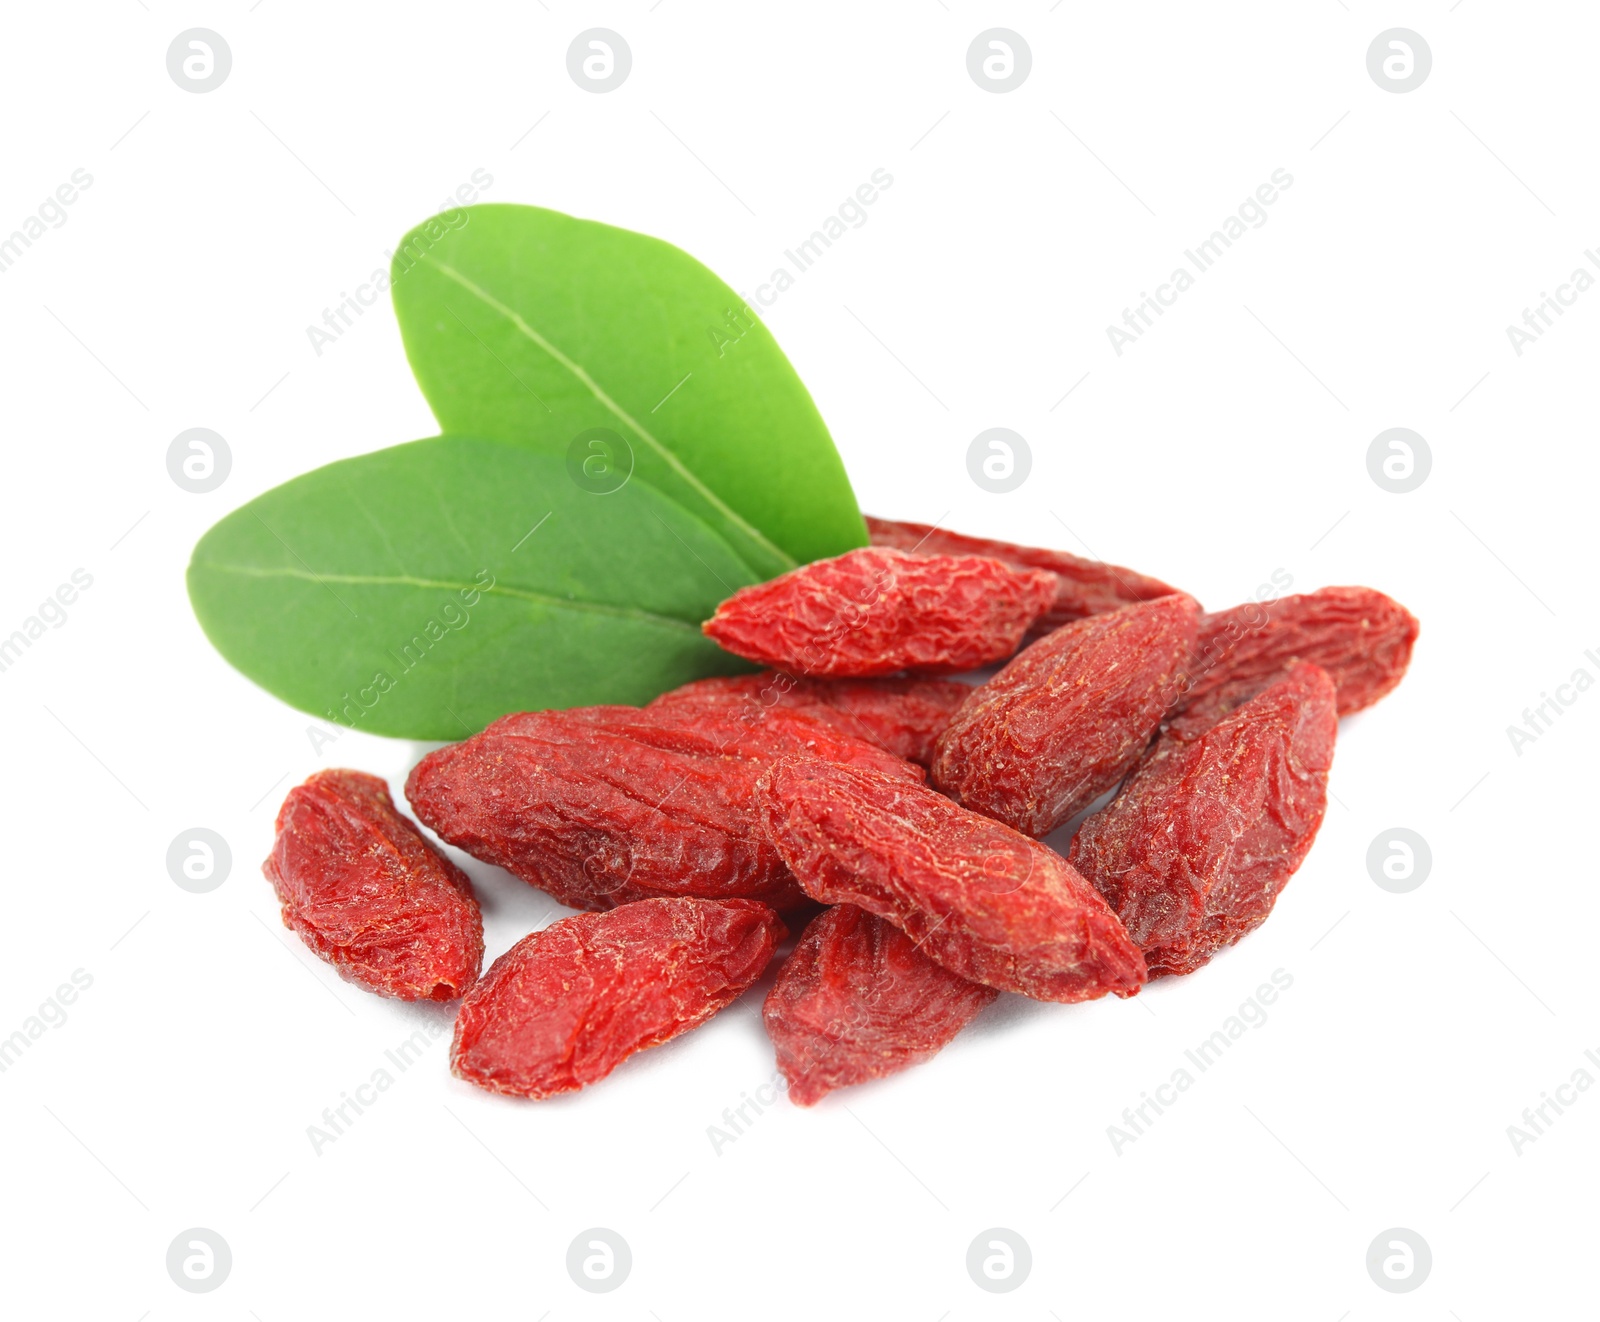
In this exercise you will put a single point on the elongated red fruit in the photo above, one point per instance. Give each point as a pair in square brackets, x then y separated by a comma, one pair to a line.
[361, 886]
[876, 611]
[565, 1006]
[1083, 587]
[983, 900]
[1195, 849]
[600, 806]
[1362, 638]
[858, 1000]
[904, 716]
[1064, 721]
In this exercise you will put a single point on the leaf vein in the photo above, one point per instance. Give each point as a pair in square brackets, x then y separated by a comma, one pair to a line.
[621, 414]
[497, 590]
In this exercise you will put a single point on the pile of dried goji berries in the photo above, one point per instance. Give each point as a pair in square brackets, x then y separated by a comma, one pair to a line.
[847, 776]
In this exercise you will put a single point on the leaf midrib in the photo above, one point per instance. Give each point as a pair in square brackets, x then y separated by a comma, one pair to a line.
[497, 590]
[617, 411]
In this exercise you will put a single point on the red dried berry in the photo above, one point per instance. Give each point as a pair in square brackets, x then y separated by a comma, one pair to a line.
[600, 806]
[366, 892]
[1063, 721]
[983, 900]
[1362, 638]
[565, 1006]
[858, 1000]
[1083, 587]
[904, 716]
[876, 611]
[1195, 849]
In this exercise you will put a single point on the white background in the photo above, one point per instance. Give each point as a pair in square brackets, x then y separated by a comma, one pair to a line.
[1228, 443]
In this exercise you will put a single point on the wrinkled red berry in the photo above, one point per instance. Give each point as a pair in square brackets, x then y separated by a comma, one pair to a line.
[1362, 638]
[904, 716]
[600, 806]
[1083, 587]
[1064, 720]
[565, 1006]
[1206, 832]
[858, 1000]
[876, 611]
[983, 900]
[361, 886]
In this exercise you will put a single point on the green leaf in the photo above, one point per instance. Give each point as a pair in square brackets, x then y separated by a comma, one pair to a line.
[529, 326]
[426, 589]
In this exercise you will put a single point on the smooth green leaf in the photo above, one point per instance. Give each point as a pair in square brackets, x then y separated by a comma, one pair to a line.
[530, 326]
[426, 589]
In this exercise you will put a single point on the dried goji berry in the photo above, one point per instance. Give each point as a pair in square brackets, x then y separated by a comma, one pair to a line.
[1362, 638]
[876, 611]
[983, 900]
[1194, 850]
[565, 1006]
[603, 805]
[1083, 587]
[858, 1000]
[365, 890]
[904, 716]
[1064, 720]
